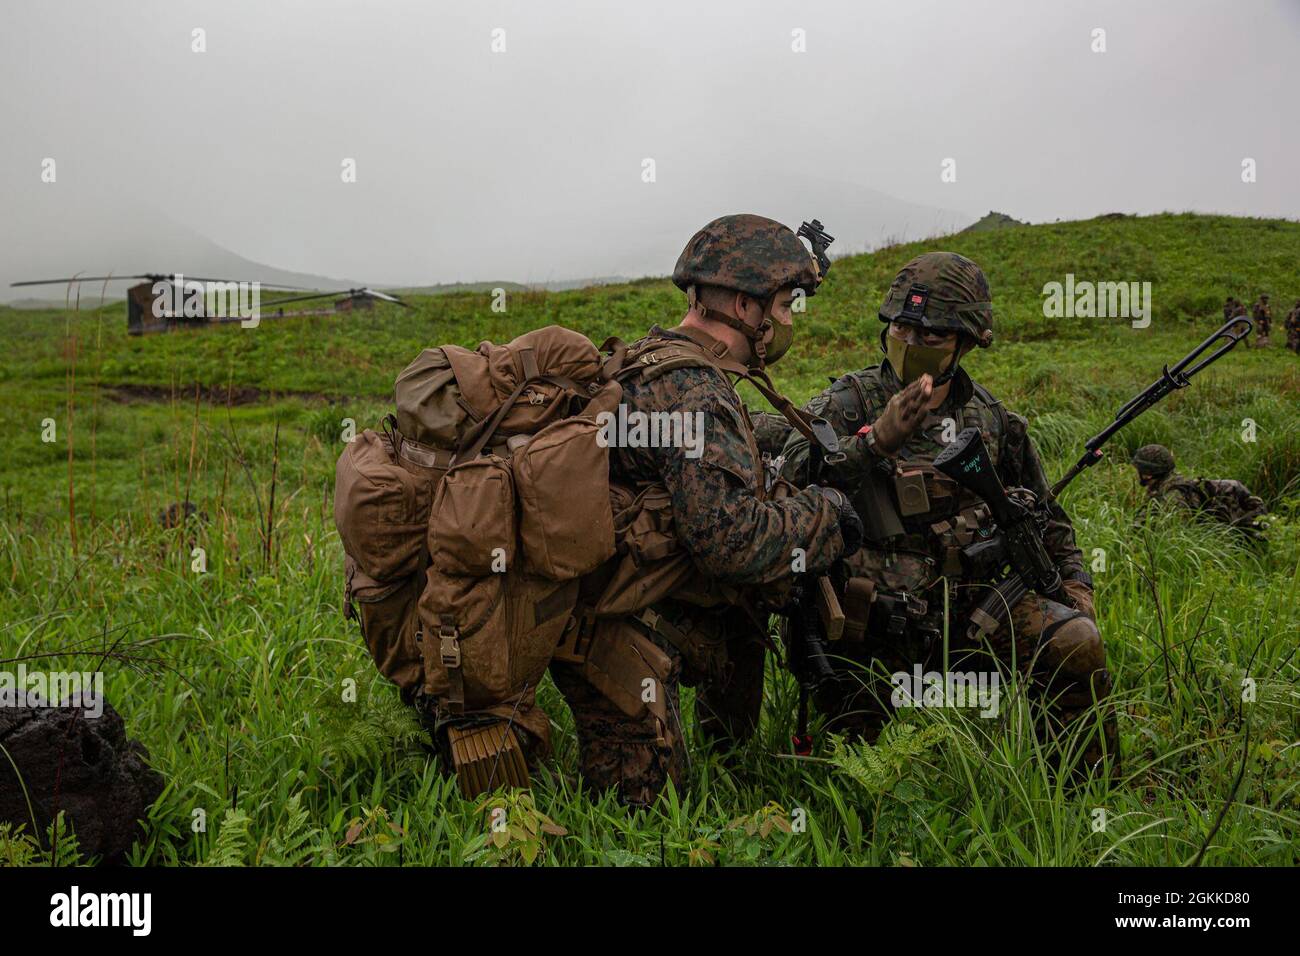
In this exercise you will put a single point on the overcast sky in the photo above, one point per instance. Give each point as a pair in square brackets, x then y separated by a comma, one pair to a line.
[527, 164]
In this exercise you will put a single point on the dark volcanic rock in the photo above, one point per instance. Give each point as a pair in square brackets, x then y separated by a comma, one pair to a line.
[102, 780]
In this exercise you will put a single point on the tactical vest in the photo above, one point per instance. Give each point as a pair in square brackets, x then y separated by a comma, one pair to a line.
[937, 516]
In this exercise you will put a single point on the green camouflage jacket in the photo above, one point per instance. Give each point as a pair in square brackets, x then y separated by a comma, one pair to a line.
[721, 512]
[1224, 499]
[931, 533]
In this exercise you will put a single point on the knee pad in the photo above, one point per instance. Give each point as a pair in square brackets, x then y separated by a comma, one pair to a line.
[1072, 648]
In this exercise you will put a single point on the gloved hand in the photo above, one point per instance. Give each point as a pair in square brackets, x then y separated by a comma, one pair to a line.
[851, 529]
[1080, 596]
[902, 416]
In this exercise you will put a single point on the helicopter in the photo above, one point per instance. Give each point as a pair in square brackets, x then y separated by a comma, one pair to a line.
[163, 302]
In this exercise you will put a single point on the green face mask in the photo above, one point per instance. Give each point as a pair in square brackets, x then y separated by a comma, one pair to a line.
[782, 338]
[910, 362]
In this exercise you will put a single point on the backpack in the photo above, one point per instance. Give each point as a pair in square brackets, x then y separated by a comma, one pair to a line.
[469, 519]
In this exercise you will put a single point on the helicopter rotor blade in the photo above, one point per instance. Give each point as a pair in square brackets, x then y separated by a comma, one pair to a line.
[76, 279]
[386, 297]
[156, 277]
[299, 298]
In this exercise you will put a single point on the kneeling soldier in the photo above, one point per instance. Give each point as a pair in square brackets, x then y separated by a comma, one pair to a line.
[707, 535]
[918, 563]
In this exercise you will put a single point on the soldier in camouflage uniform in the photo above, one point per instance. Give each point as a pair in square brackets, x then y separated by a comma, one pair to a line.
[1226, 500]
[919, 521]
[1293, 328]
[1262, 314]
[739, 274]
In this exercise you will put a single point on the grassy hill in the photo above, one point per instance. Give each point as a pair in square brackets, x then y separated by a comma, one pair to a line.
[255, 649]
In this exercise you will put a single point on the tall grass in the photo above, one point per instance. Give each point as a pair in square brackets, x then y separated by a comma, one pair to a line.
[281, 745]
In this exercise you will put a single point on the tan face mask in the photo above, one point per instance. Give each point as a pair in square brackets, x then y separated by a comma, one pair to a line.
[782, 339]
[910, 362]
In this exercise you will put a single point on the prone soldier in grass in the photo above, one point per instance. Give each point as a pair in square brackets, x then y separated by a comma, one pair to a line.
[1225, 500]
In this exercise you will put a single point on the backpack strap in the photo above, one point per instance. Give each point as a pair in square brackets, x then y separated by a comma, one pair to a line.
[996, 404]
[617, 350]
[478, 437]
[717, 356]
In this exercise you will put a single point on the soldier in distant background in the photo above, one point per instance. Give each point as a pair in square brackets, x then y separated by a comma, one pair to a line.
[1229, 305]
[1226, 500]
[1293, 328]
[1263, 317]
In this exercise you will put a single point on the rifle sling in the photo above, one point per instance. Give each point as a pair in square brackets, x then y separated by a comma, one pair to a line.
[717, 352]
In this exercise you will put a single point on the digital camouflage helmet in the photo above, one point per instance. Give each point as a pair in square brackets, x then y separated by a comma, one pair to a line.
[938, 292]
[1154, 460]
[759, 257]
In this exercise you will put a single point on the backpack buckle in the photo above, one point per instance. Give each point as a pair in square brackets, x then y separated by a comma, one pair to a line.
[449, 646]
[535, 398]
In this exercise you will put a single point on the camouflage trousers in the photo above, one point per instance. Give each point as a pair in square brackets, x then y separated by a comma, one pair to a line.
[721, 655]
[1058, 648]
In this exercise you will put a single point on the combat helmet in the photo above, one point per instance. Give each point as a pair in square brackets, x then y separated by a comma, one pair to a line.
[759, 257]
[1153, 460]
[942, 292]
[747, 253]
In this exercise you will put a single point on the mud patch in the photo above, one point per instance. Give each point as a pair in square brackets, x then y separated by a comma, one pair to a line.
[219, 395]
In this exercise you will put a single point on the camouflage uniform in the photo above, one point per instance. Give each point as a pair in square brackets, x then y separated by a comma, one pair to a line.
[1293, 328]
[908, 562]
[739, 539]
[1222, 499]
[1262, 315]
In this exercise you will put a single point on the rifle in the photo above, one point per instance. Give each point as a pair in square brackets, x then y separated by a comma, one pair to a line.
[813, 615]
[1016, 542]
[1170, 380]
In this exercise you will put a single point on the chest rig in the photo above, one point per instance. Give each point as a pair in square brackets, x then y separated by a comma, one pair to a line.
[893, 584]
[936, 516]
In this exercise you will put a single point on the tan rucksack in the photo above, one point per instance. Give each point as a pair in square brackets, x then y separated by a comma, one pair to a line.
[467, 523]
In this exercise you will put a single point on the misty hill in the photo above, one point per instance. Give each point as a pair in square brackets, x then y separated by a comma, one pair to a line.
[994, 220]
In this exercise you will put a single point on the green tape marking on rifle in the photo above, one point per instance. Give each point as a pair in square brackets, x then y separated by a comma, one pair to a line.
[1017, 543]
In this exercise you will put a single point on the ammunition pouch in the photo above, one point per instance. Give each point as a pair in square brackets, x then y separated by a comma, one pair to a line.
[896, 618]
[619, 658]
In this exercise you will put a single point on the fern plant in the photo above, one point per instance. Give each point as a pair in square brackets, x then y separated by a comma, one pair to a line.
[292, 840]
[20, 848]
[879, 768]
[368, 730]
[232, 840]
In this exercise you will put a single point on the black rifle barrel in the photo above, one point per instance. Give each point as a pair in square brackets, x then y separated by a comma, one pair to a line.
[1231, 332]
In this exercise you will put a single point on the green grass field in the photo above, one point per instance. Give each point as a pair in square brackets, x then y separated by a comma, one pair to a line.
[235, 678]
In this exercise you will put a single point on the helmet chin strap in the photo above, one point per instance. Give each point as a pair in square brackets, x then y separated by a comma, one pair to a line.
[755, 335]
[947, 374]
